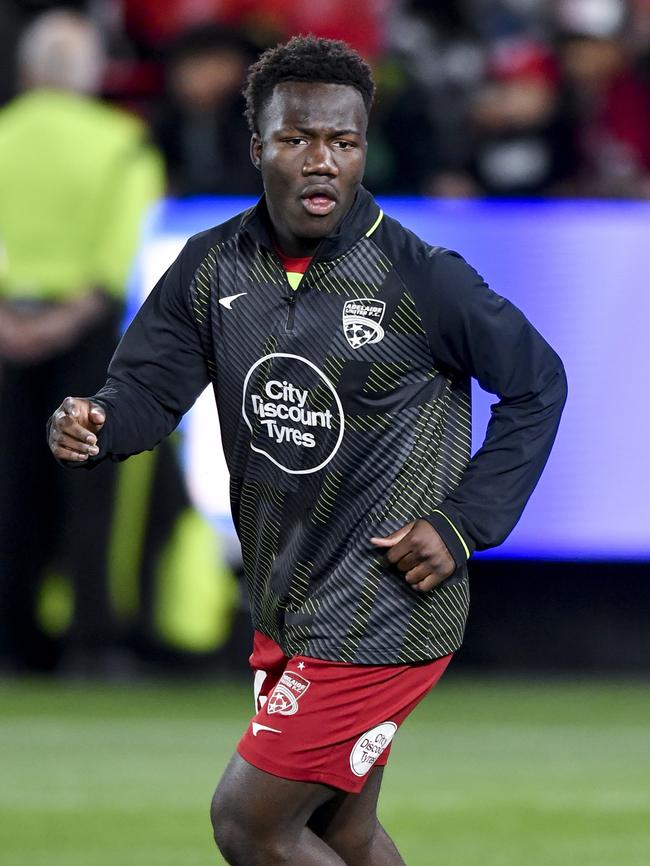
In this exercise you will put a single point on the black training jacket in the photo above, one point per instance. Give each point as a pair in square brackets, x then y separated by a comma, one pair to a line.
[345, 412]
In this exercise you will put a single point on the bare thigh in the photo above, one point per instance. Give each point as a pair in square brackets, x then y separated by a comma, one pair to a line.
[261, 818]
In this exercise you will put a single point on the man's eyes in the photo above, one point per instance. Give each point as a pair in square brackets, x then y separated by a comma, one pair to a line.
[340, 144]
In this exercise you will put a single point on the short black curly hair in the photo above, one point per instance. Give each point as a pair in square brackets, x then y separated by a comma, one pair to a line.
[305, 58]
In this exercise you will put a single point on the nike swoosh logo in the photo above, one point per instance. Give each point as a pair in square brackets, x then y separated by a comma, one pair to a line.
[227, 302]
[257, 728]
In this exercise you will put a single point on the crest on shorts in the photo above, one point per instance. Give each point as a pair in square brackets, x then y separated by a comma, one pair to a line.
[362, 321]
[285, 696]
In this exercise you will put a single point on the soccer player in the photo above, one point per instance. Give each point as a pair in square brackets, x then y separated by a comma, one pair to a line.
[340, 348]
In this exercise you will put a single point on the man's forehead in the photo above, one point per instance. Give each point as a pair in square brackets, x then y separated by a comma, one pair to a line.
[317, 104]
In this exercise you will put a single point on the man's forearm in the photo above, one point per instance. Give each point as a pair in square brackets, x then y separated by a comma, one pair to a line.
[495, 487]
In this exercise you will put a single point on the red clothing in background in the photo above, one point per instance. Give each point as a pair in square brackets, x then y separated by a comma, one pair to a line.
[625, 117]
[358, 22]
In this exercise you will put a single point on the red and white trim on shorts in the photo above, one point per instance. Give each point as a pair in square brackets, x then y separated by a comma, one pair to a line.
[328, 722]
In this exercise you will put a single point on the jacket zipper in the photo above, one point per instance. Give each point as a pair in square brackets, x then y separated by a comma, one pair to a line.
[292, 297]
[291, 313]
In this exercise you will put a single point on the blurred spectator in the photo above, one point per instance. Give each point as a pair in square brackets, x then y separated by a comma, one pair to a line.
[201, 129]
[403, 155]
[439, 47]
[639, 33]
[521, 138]
[75, 179]
[610, 102]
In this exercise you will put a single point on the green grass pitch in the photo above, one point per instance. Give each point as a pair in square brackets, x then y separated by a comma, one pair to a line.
[485, 773]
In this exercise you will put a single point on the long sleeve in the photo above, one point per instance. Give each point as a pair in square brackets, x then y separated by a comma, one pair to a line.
[158, 370]
[473, 331]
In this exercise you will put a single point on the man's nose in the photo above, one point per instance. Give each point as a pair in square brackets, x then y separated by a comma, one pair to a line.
[319, 160]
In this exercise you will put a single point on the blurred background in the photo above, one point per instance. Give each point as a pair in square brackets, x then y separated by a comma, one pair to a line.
[515, 131]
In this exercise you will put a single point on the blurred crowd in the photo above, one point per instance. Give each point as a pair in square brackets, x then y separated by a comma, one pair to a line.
[475, 97]
[105, 105]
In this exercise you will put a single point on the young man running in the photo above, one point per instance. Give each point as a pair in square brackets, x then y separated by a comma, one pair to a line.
[340, 347]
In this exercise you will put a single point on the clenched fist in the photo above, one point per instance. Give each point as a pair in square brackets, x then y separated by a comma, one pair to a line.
[74, 428]
[418, 550]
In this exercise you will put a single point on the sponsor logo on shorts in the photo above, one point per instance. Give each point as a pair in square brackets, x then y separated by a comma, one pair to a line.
[362, 321]
[285, 696]
[369, 747]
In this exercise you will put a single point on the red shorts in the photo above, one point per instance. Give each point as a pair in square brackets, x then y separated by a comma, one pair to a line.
[328, 722]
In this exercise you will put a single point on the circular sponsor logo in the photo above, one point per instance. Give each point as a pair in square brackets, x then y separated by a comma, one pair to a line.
[369, 747]
[293, 412]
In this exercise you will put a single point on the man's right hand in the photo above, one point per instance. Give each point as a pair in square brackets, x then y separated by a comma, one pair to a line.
[74, 429]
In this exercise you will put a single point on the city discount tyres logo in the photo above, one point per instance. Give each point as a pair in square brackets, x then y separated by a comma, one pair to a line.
[285, 696]
[362, 321]
[369, 747]
[293, 412]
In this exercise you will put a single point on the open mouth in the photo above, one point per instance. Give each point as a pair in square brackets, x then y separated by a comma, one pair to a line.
[318, 203]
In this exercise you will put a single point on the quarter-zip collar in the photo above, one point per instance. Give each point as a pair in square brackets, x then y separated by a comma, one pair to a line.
[361, 217]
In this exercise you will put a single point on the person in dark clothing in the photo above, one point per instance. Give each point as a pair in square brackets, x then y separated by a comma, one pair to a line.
[522, 135]
[609, 101]
[398, 163]
[200, 128]
[340, 347]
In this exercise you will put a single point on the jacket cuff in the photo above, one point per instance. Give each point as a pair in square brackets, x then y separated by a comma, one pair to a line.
[460, 548]
[104, 435]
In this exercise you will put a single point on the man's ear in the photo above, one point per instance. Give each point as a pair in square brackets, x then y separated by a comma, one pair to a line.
[256, 151]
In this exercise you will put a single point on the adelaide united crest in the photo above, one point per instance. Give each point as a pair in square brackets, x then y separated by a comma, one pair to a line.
[362, 321]
[285, 696]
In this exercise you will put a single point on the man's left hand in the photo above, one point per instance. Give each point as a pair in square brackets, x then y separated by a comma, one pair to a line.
[418, 550]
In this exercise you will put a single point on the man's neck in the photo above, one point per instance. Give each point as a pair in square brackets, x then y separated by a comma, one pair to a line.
[293, 247]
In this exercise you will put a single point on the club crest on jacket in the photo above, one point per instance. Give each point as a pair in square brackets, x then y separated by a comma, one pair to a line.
[362, 321]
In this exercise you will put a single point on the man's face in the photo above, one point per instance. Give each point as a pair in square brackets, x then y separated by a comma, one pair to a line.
[311, 150]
